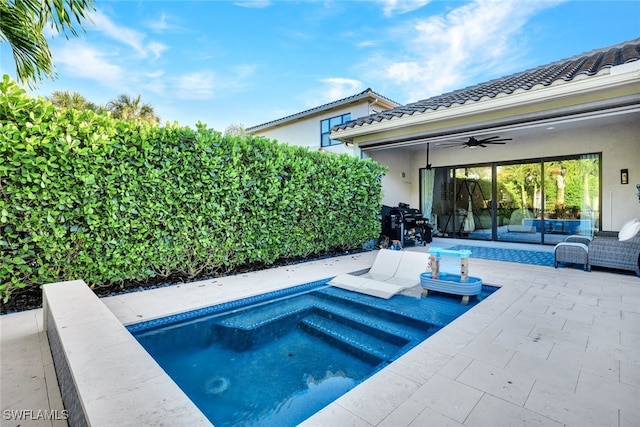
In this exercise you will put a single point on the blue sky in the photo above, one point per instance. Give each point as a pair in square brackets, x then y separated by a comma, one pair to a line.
[250, 62]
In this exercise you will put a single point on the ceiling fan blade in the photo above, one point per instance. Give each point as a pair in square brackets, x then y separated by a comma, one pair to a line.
[495, 142]
[494, 139]
[482, 145]
[488, 139]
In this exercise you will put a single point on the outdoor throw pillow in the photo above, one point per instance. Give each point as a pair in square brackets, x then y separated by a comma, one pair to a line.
[629, 230]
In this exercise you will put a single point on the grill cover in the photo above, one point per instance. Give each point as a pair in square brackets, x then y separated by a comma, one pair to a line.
[405, 224]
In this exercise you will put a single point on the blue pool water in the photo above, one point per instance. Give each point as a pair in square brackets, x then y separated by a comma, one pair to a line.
[278, 358]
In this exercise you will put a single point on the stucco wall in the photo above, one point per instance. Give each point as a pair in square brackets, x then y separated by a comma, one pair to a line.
[619, 145]
[398, 183]
[306, 132]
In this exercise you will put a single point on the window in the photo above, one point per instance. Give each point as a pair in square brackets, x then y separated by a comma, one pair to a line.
[325, 129]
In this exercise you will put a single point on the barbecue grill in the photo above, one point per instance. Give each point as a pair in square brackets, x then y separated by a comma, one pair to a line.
[404, 224]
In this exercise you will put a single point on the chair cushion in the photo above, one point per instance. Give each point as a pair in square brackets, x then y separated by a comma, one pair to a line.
[629, 229]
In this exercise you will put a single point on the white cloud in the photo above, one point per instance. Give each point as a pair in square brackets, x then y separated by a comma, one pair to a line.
[207, 84]
[156, 86]
[337, 87]
[445, 51]
[155, 82]
[366, 43]
[50, 32]
[391, 7]
[83, 61]
[161, 24]
[157, 49]
[124, 35]
[155, 74]
[332, 89]
[255, 4]
[242, 72]
[132, 38]
[197, 85]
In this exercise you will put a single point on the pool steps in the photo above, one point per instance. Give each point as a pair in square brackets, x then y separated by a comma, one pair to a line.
[371, 334]
[372, 325]
[419, 319]
[365, 346]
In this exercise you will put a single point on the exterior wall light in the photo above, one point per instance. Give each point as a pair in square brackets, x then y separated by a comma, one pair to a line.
[624, 176]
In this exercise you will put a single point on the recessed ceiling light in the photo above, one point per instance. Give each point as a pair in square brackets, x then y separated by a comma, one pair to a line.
[550, 128]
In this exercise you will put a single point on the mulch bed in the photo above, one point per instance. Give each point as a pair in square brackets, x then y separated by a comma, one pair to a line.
[31, 297]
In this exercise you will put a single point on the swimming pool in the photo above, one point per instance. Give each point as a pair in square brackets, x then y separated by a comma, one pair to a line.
[277, 358]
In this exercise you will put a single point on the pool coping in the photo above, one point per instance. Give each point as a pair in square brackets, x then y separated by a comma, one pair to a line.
[136, 391]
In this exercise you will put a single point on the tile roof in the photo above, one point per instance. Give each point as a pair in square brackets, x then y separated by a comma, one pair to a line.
[365, 94]
[586, 64]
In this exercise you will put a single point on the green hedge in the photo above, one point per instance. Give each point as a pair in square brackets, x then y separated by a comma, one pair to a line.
[87, 196]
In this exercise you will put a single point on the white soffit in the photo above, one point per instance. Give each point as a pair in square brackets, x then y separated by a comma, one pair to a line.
[574, 120]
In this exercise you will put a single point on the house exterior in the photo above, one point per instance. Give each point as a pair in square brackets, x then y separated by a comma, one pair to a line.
[311, 128]
[562, 150]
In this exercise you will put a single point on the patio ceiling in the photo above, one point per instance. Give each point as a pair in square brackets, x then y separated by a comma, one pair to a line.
[517, 132]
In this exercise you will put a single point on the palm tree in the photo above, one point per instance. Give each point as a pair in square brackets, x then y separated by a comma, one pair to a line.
[22, 23]
[129, 108]
[73, 100]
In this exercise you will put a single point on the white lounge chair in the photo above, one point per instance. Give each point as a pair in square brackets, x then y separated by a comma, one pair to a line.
[385, 265]
[410, 268]
[392, 272]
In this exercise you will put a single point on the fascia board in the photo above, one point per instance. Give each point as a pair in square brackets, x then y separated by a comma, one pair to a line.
[318, 111]
[543, 96]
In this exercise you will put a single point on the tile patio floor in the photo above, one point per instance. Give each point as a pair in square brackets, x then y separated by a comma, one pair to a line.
[553, 347]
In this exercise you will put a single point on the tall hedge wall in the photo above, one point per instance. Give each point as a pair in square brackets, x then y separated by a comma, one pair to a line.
[86, 196]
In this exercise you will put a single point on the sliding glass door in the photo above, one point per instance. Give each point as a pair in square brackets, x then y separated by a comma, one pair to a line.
[537, 201]
[571, 202]
[519, 197]
[460, 202]
[473, 202]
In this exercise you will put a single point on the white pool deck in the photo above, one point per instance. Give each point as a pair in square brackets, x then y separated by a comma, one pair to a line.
[552, 347]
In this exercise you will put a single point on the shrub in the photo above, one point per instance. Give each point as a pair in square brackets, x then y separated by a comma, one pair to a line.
[87, 196]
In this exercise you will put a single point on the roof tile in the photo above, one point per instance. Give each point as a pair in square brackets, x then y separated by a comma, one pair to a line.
[586, 64]
[362, 95]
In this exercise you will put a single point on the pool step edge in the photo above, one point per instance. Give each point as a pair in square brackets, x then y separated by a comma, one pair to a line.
[340, 335]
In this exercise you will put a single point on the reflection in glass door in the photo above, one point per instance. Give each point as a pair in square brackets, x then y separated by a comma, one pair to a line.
[462, 202]
[571, 203]
[473, 203]
[519, 202]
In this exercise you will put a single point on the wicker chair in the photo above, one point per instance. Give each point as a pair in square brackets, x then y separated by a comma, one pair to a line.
[605, 250]
[574, 250]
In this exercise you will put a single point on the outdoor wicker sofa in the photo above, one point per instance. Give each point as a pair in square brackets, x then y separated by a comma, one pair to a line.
[605, 250]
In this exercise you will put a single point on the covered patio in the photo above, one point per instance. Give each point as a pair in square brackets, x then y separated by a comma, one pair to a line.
[554, 143]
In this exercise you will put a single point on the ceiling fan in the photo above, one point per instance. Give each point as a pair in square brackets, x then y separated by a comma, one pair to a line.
[474, 143]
